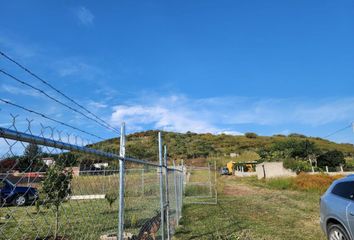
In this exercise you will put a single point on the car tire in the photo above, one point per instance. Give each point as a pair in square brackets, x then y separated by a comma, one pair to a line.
[336, 232]
[20, 200]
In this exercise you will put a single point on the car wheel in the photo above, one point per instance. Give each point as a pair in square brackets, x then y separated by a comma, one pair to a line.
[337, 232]
[20, 200]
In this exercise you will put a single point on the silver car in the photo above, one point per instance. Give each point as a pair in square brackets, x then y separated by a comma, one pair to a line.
[337, 210]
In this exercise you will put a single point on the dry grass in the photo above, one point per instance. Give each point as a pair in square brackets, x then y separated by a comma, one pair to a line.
[318, 182]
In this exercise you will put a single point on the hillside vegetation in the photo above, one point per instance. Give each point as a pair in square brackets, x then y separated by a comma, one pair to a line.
[189, 146]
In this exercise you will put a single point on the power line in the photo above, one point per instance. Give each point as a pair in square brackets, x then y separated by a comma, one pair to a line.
[49, 118]
[339, 130]
[54, 99]
[57, 91]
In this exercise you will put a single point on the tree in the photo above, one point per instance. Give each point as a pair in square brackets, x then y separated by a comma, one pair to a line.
[56, 187]
[332, 159]
[297, 165]
[66, 159]
[199, 148]
[294, 148]
[31, 159]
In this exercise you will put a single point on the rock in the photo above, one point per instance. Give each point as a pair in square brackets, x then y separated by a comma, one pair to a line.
[113, 236]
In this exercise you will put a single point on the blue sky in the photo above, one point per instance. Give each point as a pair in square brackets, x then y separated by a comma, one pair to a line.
[205, 66]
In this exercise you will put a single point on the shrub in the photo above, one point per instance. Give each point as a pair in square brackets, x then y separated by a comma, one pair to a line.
[331, 159]
[303, 182]
[318, 183]
[279, 135]
[297, 165]
[297, 135]
[251, 135]
[134, 221]
[111, 197]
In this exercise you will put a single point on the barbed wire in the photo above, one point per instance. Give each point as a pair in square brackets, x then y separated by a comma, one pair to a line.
[55, 99]
[57, 91]
[49, 118]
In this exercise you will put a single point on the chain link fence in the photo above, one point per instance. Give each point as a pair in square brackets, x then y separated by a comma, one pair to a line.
[59, 186]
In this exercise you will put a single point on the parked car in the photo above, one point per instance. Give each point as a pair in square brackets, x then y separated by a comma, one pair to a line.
[224, 171]
[16, 195]
[337, 210]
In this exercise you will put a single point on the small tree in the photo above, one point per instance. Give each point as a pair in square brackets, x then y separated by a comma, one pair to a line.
[56, 187]
[111, 197]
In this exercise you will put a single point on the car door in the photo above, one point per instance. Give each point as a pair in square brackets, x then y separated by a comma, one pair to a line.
[347, 192]
[5, 190]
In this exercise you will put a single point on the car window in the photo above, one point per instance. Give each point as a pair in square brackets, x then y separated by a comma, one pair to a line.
[344, 189]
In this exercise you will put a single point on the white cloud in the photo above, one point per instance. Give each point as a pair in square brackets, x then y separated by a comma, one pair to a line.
[235, 133]
[170, 114]
[85, 16]
[97, 105]
[222, 115]
[326, 112]
[285, 111]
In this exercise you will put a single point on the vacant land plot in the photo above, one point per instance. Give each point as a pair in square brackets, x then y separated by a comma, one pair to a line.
[248, 209]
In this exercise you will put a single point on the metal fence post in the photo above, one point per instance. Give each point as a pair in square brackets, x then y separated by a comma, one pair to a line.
[181, 176]
[216, 184]
[162, 207]
[210, 183]
[182, 186]
[143, 182]
[176, 193]
[167, 205]
[121, 183]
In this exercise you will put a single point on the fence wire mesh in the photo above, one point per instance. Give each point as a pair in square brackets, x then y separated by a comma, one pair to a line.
[55, 185]
[142, 203]
[201, 185]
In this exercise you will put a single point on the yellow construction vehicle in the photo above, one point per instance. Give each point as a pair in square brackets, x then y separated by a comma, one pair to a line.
[229, 169]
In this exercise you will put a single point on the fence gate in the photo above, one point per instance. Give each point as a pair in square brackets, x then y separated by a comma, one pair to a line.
[201, 185]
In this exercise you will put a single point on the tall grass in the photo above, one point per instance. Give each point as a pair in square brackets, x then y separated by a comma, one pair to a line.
[280, 183]
[318, 183]
[303, 182]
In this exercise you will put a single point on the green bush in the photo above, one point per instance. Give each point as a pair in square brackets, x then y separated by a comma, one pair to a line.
[111, 197]
[331, 159]
[297, 165]
[280, 183]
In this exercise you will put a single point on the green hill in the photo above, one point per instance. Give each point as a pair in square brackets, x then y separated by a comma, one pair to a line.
[190, 146]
